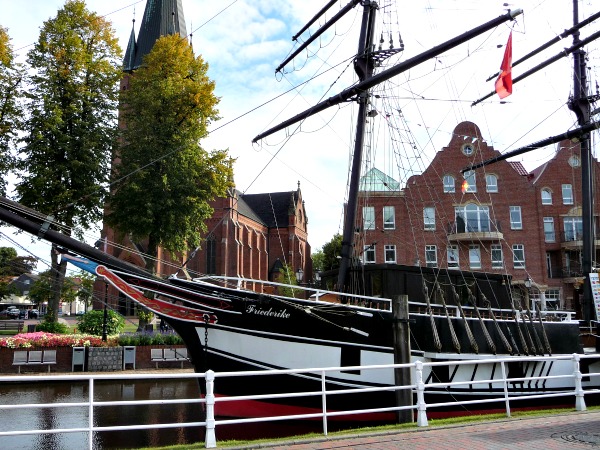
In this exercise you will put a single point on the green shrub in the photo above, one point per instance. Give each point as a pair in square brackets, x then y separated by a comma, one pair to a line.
[52, 327]
[144, 338]
[92, 322]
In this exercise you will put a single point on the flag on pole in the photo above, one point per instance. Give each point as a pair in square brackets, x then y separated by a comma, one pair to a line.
[504, 81]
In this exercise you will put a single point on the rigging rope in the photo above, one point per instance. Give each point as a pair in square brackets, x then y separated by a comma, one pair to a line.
[472, 340]
[455, 341]
[486, 333]
[436, 337]
[487, 303]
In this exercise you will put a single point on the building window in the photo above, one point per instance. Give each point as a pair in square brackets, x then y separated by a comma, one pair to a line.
[211, 255]
[491, 183]
[429, 218]
[449, 184]
[474, 257]
[497, 258]
[453, 262]
[546, 197]
[368, 217]
[567, 194]
[573, 228]
[472, 218]
[431, 255]
[518, 256]
[390, 254]
[369, 254]
[389, 218]
[469, 183]
[516, 222]
[549, 235]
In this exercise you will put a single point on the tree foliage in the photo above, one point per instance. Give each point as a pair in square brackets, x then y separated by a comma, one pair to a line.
[12, 265]
[10, 110]
[165, 178]
[70, 125]
[331, 251]
[92, 322]
[287, 276]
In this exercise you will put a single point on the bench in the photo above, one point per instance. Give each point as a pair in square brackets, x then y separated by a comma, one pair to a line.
[34, 357]
[16, 325]
[168, 355]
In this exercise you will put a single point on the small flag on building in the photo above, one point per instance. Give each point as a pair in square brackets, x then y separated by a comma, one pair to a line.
[504, 81]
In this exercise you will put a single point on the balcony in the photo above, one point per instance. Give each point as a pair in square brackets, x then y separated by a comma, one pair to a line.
[572, 240]
[483, 230]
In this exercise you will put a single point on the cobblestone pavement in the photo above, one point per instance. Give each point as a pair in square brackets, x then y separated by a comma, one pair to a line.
[577, 430]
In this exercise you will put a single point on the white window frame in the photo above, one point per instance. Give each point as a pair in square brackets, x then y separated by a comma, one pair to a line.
[546, 196]
[573, 227]
[449, 184]
[368, 217]
[389, 218]
[549, 233]
[369, 254]
[497, 256]
[518, 256]
[389, 253]
[491, 183]
[429, 218]
[567, 194]
[474, 257]
[516, 218]
[473, 214]
[431, 256]
[452, 257]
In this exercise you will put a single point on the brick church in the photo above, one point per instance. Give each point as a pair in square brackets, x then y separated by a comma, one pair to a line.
[250, 235]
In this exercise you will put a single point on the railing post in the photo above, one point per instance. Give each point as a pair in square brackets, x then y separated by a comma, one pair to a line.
[579, 393]
[505, 383]
[324, 401]
[210, 440]
[421, 405]
[91, 415]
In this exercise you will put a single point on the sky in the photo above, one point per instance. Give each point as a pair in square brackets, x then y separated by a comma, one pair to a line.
[243, 42]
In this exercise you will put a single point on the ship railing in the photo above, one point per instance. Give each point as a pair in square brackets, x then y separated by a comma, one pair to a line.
[299, 292]
[499, 313]
[509, 388]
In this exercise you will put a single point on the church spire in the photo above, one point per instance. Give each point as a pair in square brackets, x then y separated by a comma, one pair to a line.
[161, 18]
[129, 59]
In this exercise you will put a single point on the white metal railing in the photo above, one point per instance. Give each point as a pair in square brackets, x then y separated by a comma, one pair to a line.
[419, 387]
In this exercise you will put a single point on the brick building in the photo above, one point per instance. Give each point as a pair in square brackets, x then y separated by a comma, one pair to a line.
[254, 235]
[249, 236]
[498, 219]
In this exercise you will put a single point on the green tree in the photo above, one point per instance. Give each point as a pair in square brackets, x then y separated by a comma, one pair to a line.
[92, 322]
[317, 258]
[12, 265]
[331, 252]
[169, 103]
[10, 112]
[164, 178]
[41, 291]
[79, 287]
[70, 128]
[287, 276]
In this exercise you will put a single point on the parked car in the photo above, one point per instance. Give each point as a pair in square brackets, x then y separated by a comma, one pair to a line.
[14, 313]
[34, 313]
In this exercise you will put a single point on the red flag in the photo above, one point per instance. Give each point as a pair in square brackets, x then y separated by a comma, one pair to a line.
[504, 81]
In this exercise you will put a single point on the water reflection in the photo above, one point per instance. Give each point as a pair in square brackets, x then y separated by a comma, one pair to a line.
[77, 391]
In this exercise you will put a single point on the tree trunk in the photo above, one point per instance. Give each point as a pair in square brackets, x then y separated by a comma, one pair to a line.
[58, 270]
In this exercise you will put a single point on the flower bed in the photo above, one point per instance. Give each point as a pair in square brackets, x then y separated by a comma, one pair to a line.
[44, 340]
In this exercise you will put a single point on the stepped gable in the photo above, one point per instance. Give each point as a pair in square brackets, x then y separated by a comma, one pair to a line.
[161, 18]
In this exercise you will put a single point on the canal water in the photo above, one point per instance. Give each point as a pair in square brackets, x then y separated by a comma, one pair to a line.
[75, 417]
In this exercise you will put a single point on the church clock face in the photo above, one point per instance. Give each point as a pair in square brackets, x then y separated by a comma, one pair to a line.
[468, 149]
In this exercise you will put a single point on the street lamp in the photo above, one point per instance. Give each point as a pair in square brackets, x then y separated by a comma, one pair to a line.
[299, 275]
[528, 282]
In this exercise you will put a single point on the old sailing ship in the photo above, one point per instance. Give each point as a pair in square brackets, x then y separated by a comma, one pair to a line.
[453, 315]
